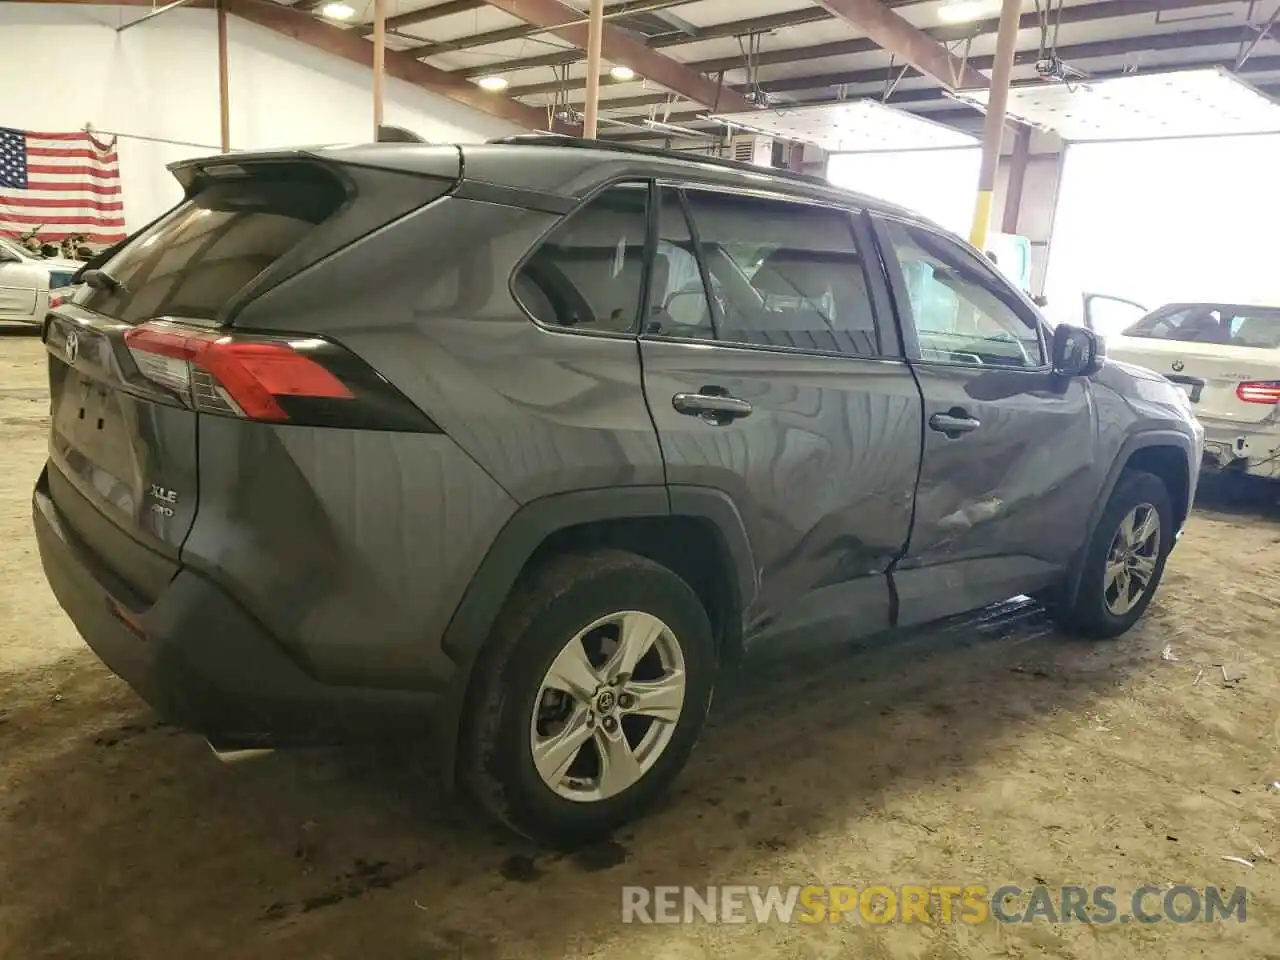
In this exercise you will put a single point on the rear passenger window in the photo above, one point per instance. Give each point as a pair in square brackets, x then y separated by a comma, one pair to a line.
[784, 274]
[588, 273]
[678, 305]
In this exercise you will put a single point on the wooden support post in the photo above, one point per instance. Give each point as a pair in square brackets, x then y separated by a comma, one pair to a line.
[379, 60]
[595, 39]
[1017, 179]
[993, 129]
[224, 85]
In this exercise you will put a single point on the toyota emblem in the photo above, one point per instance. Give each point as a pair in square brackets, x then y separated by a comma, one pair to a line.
[72, 346]
[1177, 366]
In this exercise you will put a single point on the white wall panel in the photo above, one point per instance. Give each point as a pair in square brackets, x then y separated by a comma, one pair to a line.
[62, 67]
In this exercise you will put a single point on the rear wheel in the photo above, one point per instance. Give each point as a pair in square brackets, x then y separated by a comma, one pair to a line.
[1124, 559]
[590, 696]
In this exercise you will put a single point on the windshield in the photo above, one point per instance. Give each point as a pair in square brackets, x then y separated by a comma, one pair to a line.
[1212, 323]
[10, 247]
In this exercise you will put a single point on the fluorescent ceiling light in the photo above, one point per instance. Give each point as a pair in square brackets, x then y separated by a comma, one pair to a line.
[492, 83]
[963, 11]
[622, 73]
[337, 11]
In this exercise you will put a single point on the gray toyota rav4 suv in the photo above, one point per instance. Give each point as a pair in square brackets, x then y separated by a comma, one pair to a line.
[523, 442]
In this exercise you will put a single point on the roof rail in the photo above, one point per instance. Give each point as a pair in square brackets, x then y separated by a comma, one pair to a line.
[559, 140]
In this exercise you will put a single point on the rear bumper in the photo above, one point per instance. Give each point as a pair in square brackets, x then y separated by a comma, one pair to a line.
[202, 662]
[1253, 448]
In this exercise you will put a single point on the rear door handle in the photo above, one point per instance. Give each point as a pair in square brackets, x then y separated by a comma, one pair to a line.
[954, 423]
[711, 405]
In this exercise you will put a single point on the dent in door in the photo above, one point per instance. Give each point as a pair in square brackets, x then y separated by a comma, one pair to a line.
[1021, 484]
[822, 471]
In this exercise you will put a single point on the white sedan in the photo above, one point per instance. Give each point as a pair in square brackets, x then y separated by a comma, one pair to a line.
[29, 286]
[1225, 356]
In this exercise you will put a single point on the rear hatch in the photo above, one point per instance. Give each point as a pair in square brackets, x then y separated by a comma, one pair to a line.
[145, 346]
[1226, 358]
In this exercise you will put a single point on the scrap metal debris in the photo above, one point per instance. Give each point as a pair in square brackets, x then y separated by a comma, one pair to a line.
[1240, 860]
[1232, 672]
[1168, 654]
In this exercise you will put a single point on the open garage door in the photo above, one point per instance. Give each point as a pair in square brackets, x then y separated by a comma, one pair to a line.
[936, 183]
[1167, 189]
[1162, 220]
[884, 152]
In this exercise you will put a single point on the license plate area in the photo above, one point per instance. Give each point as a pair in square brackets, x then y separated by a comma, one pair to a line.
[88, 418]
[1193, 387]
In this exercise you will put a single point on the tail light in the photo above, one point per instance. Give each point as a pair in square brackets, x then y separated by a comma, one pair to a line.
[58, 297]
[300, 380]
[1259, 391]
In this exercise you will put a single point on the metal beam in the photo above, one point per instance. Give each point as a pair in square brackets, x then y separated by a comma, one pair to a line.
[926, 99]
[524, 30]
[1078, 51]
[964, 118]
[349, 45]
[618, 48]
[157, 11]
[1083, 13]
[1218, 36]
[113, 3]
[426, 14]
[907, 41]
[628, 7]
[736, 28]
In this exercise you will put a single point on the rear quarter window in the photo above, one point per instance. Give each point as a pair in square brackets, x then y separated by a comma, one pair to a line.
[198, 257]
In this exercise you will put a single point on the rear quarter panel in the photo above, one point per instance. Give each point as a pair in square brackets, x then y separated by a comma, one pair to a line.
[353, 547]
[427, 303]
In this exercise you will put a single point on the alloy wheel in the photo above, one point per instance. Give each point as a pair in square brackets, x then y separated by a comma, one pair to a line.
[1131, 559]
[608, 706]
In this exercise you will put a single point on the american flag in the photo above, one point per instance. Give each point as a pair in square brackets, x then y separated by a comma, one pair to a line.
[60, 185]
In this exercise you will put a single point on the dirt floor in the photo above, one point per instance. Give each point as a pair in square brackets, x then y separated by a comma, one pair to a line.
[989, 751]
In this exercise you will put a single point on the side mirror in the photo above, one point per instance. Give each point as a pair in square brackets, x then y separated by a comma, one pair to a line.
[1077, 352]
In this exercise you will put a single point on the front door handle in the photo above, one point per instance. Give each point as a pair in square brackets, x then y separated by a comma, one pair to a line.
[953, 423]
[711, 404]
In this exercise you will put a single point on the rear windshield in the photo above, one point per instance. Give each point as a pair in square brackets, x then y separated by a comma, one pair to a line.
[206, 250]
[1212, 323]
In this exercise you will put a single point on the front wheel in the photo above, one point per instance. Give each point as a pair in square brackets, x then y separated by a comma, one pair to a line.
[1124, 560]
[590, 696]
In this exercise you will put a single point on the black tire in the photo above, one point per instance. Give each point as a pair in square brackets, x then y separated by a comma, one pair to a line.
[1089, 614]
[549, 606]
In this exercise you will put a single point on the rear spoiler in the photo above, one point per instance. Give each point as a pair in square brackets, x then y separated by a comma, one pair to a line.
[437, 162]
[390, 134]
[186, 172]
